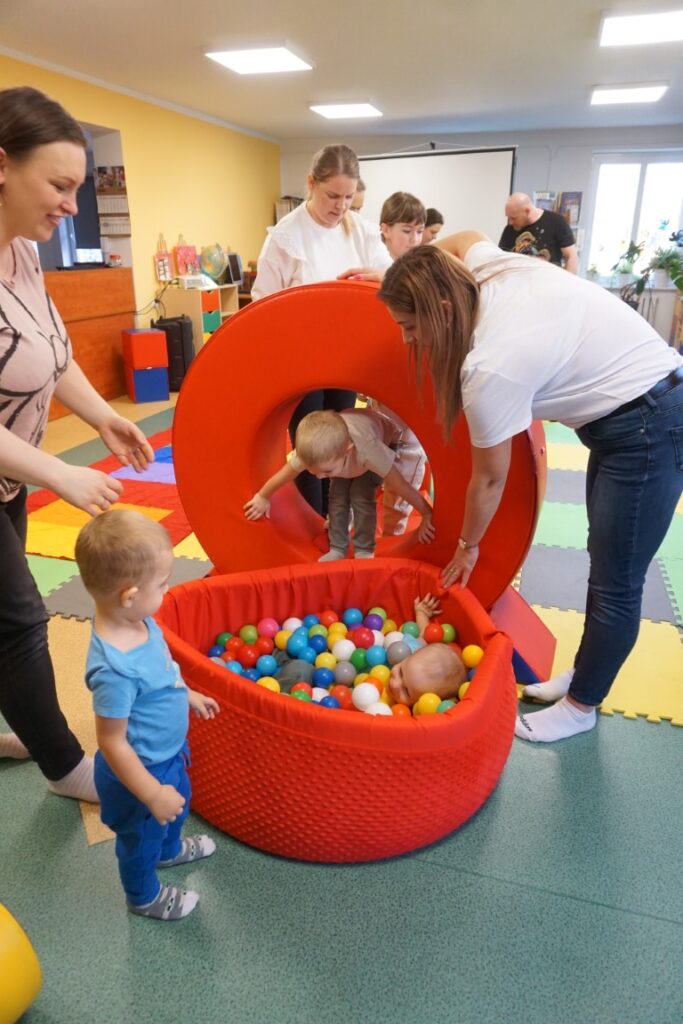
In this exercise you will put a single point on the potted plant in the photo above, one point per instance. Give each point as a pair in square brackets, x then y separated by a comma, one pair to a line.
[623, 268]
[592, 273]
[664, 266]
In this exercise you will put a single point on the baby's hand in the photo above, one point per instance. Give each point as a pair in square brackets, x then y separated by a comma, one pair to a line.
[428, 606]
[203, 707]
[425, 531]
[166, 804]
[256, 507]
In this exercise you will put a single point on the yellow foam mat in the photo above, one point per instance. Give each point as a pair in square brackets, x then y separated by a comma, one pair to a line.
[190, 548]
[650, 682]
[567, 456]
[53, 529]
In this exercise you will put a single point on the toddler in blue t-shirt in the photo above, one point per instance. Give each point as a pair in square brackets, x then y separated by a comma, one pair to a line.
[141, 709]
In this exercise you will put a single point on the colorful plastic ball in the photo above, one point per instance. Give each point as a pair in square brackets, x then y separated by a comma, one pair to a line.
[378, 684]
[386, 697]
[267, 665]
[433, 633]
[328, 617]
[445, 705]
[401, 711]
[362, 677]
[379, 638]
[227, 655]
[281, 638]
[427, 704]
[267, 627]
[253, 674]
[301, 695]
[248, 633]
[378, 709]
[329, 702]
[338, 629]
[318, 643]
[223, 638]
[247, 655]
[310, 620]
[234, 666]
[318, 630]
[323, 677]
[218, 661]
[472, 655]
[381, 672]
[364, 694]
[291, 623]
[308, 654]
[325, 660]
[413, 642]
[394, 637]
[464, 687]
[363, 637]
[449, 633]
[215, 651]
[373, 621]
[295, 645]
[376, 655]
[470, 674]
[390, 626]
[344, 672]
[352, 616]
[234, 643]
[411, 628]
[302, 687]
[359, 659]
[397, 652]
[319, 693]
[343, 649]
[378, 610]
[269, 683]
[301, 632]
[264, 644]
[342, 695]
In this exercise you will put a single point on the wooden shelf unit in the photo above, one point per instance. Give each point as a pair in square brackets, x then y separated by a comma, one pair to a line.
[206, 310]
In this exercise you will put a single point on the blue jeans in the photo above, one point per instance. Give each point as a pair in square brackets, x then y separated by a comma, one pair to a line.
[141, 842]
[633, 483]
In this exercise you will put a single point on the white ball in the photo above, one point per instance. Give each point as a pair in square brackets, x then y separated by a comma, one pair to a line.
[380, 638]
[378, 708]
[343, 649]
[364, 695]
[390, 638]
[318, 693]
[292, 624]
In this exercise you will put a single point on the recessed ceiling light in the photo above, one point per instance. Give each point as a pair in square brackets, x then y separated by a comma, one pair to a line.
[260, 62]
[628, 94]
[348, 110]
[634, 29]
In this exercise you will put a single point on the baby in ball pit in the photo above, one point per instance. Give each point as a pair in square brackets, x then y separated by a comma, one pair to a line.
[434, 668]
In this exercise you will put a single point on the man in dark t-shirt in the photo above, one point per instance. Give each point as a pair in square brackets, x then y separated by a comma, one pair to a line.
[536, 232]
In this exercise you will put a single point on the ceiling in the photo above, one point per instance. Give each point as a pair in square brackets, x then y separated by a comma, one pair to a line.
[435, 66]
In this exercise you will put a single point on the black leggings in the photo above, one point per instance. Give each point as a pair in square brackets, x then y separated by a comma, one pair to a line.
[28, 698]
[313, 490]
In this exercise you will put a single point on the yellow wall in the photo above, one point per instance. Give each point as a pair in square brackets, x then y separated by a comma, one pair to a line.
[183, 176]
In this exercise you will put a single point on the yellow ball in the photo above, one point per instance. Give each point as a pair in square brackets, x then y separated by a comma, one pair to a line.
[325, 660]
[269, 683]
[386, 698]
[281, 638]
[362, 677]
[381, 672]
[472, 655]
[390, 626]
[337, 630]
[463, 689]
[426, 704]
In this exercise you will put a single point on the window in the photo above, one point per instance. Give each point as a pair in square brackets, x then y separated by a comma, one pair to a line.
[639, 198]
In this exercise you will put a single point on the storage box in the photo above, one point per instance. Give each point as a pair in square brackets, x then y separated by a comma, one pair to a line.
[143, 348]
[211, 321]
[147, 385]
[211, 301]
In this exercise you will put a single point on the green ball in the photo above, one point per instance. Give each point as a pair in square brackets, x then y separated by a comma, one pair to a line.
[249, 634]
[318, 630]
[222, 639]
[301, 695]
[379, 611]
[359, 659]
[411, 628]
[444, 706]
[450, 633]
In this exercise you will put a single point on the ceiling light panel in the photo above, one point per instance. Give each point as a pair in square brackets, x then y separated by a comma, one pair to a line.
[269, 61]
[346, 110]
[638, 29]
[628, 94]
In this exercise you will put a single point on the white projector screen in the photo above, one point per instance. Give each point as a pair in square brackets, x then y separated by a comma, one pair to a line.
[469, 187]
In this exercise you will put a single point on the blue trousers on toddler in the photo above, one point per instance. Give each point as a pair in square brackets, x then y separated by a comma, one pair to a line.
[141, 842]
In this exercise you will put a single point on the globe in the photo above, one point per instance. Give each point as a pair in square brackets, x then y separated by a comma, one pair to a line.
[213, 261]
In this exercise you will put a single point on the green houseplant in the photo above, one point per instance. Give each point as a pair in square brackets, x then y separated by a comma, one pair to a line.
[670, 262]
[625, 263]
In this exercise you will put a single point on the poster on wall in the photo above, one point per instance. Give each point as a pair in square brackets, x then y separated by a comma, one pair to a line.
[110, 179]
[569, 207]
[545, 200]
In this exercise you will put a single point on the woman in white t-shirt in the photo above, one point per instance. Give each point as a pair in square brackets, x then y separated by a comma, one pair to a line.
[318, 241]
[509, 339]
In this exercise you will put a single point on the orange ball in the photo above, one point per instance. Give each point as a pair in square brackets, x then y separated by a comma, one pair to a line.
[401, 711]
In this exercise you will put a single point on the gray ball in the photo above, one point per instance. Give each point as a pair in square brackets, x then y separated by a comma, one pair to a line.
[294, 671]
[397, 652]
[345, 672]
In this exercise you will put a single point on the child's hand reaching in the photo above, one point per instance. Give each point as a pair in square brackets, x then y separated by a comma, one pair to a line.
[256, 507]
[166, 804]
[203, 707]
[426, 607]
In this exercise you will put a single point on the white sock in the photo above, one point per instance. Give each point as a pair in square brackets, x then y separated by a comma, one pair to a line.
[364, 554]
[11, 746]
[333, 555]
[169, 904]
[555, 688]
[79, 783]
[191, 849]
[556, 723]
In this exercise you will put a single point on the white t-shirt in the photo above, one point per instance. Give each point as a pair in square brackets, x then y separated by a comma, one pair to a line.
[371, 434]
[298, 250]
[549, 345]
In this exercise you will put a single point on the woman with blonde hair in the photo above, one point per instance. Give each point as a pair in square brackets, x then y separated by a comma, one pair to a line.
[507, 340]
